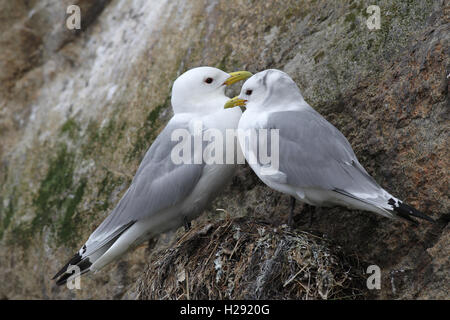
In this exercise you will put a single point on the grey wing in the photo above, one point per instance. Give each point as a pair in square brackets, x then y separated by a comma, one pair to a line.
[313, 153]
[158, 184]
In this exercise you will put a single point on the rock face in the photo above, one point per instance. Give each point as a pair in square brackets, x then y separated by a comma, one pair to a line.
[78, 109]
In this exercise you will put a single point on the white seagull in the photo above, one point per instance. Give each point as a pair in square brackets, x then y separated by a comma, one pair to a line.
[316, 163]
[165, 194]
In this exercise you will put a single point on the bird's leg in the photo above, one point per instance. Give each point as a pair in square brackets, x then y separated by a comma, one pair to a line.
[291, 213]
[151, 243]
[187, 224]
[312, 209]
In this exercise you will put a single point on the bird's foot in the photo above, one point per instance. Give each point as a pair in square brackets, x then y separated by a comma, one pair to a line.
[312, 209]
[187, 224]
[291, 213]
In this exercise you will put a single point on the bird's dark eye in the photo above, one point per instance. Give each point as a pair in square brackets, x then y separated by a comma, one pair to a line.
[209, 80]
[248, 92]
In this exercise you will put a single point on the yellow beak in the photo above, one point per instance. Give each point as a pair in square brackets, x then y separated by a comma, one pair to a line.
[237, 76]
[234, 103]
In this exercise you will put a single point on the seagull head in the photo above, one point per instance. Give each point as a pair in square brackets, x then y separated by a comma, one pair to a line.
[202, 89]
[267, 89]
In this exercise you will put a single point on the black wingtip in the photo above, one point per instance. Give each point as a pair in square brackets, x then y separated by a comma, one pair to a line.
[406, 211]
[76, 260]
[407, 217]
[63, 279]
[73, 261]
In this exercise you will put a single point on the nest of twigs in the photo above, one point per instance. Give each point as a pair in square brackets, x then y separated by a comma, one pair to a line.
[242, 259]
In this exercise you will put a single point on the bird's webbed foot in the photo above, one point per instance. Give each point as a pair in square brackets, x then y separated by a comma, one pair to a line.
[312, 210]
[187, 224]
[291, 213]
